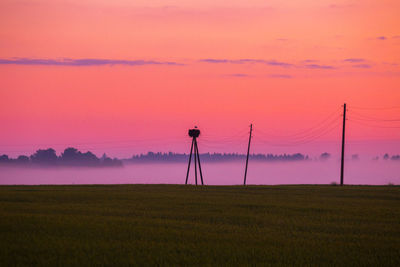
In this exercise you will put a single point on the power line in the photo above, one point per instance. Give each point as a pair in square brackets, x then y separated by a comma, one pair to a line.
[301, 141]
[316, 127]
[376, 108]
[215, 138]
[369, 118]
[373, 126]
[323, 127]
[315, 132]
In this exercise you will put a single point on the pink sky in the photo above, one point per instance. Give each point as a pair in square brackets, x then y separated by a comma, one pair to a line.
[169, 65]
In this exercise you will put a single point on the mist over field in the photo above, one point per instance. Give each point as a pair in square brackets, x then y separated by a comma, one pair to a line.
[370, 172]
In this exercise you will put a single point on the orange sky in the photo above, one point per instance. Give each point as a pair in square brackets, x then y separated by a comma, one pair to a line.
[171, 65]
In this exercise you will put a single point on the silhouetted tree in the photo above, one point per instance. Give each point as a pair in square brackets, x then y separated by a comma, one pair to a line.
[386, 156]
[22, 159]
[107, 162]
[70, 157]
[395, 157]
[324, 156]
[89, 158]
[70, 154]
[4, 159]
[44, 157]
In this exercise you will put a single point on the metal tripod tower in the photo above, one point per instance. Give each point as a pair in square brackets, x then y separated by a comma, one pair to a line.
[194, 133]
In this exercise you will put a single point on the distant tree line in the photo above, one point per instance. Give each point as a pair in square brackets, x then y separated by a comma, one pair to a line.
[220, 157]
[214, 157]
[73, 157]
[393, 157]
[355, 157]
[70, 157]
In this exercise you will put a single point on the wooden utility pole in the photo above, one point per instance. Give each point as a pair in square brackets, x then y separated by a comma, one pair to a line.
[343, 140]
[248, 152]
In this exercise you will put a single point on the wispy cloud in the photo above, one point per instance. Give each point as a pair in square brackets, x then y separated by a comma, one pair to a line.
[354, 60]
[238, 75]
[362, 66]
[382, 38]
[212, 60]
[278, 63]
[335, 6]
[83, 62]
[390, 63]
[317, 66]
[247, 61]
[309, 63]
[280, 76]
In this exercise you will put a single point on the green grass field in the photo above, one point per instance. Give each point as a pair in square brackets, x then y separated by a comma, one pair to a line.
[187, 225]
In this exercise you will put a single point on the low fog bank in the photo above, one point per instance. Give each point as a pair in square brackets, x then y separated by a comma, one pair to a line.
[357, 171]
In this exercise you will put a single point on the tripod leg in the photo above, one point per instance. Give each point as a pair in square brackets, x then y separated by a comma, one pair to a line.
[195, 160]
[190, 158]
[196, 150]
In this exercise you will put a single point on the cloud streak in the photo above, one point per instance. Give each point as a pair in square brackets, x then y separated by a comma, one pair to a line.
[281, 76]
[307, 64]
[317, 66]
[247, 61]
[354, 60]
[238, 75]
[275, 63]
[83, 62]
[362, 66]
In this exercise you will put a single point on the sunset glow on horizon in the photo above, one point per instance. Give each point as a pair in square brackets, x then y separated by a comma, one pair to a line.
[126, 77]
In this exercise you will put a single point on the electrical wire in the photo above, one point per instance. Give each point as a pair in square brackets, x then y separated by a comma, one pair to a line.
[316, 127]
[369, 118]
[323, 127]
[376, 108]
[300, 141]
[372, 126]
[309, 134]
[215, 138]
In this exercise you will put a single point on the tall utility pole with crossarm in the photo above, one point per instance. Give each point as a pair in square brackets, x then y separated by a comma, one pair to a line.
[343, 140]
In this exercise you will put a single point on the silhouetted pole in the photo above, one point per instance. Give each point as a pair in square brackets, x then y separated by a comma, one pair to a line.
[343, 139]
[190, 158]
[198, 158]
[248, 152]
[195, 160]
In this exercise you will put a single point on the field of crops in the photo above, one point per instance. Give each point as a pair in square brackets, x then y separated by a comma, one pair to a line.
[210, 225]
